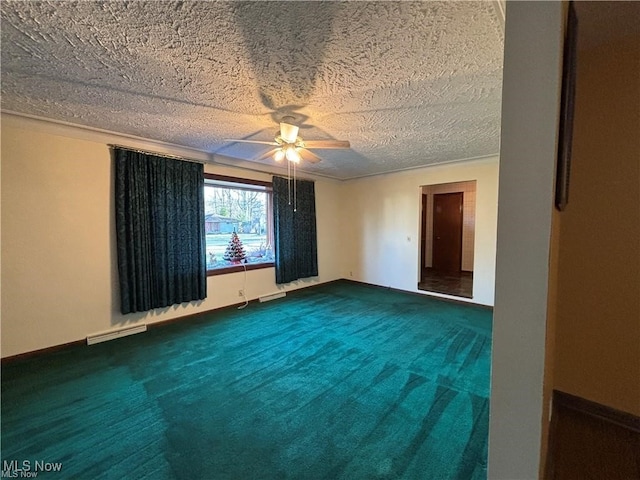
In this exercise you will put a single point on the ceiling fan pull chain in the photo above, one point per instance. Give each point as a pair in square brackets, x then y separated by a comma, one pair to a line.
[295, 190]
[289, 180]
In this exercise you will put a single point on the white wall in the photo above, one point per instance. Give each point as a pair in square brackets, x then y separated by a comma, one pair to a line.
[530, 100]
[59, 274]
[382, 218]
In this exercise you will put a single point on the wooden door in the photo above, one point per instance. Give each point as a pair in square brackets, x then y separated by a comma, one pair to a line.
[447, 232]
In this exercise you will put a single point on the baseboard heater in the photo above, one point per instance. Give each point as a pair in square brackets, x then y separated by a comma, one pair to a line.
[113, 334]
[273, 296]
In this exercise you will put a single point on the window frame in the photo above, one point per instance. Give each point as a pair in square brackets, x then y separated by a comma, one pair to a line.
[245, 181]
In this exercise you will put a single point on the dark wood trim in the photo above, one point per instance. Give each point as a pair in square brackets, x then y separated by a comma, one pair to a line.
[41, 352]
[184, 318]
[194, 316]
[593, 409]
[425, 294]
[246, 181]
[595, 437]
[239, 268]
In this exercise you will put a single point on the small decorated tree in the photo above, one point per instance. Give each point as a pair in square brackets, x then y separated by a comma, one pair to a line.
[235, 251]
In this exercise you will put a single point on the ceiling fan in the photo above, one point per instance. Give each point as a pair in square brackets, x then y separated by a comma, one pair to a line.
[288, 145]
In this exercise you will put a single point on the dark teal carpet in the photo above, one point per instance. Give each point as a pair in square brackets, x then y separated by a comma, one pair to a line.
[338, 381]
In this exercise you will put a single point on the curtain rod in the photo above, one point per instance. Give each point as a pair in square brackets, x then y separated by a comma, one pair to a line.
[291, 178]
[149, 152]
[178, 157]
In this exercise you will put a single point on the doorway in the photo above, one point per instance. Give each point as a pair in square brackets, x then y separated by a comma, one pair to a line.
[447, 238]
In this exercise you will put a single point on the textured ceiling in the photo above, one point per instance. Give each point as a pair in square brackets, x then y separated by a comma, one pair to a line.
[407, 83]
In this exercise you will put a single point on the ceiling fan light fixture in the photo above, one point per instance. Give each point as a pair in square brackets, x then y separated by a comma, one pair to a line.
[292, 154]
[288, 145]
[278, 156]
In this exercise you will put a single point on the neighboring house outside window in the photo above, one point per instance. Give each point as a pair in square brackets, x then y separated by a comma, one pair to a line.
[242, 206]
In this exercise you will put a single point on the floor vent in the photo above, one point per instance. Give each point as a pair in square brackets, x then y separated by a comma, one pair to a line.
[273, 296]
[113, 334]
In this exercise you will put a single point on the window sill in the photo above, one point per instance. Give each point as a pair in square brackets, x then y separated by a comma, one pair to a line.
[239, 268]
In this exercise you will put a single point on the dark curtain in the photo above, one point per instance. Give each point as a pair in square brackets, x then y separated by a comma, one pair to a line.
[295, 241]
[160, 236]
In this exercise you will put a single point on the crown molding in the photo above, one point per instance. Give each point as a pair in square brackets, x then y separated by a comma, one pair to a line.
[91, 134]
[80, 132]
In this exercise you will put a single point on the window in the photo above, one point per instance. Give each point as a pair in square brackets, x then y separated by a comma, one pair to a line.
[244, 207]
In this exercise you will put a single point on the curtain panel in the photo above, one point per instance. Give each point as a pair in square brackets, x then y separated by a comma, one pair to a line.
[295, 240]
[159, 207]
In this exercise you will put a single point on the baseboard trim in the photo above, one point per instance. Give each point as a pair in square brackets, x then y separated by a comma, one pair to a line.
[423, 295]
[150, 326]
[597, 410]
[197, 315]
[41, 352]
[591, 440]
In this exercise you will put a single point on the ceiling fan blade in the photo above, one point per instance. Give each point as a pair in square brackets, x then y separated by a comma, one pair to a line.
[266, 155]
[308, 156]
[250, 141]
[327, 144]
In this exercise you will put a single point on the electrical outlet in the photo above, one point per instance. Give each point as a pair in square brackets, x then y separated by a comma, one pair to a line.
[241, 293]
[351, 274]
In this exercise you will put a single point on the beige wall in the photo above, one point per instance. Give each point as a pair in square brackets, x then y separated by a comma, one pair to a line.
[383, 218]
[597, 344]
[59, 275]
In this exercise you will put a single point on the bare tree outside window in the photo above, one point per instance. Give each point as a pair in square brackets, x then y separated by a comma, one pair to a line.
[243, 209]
